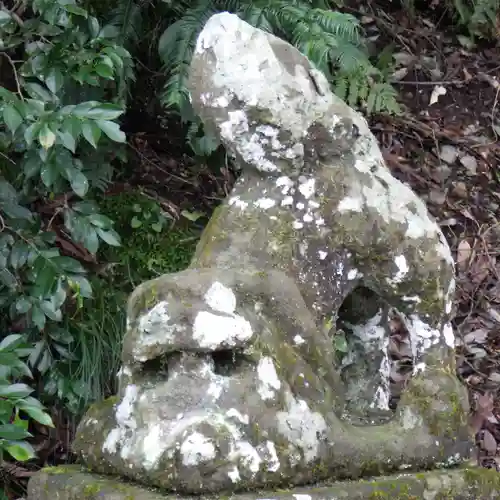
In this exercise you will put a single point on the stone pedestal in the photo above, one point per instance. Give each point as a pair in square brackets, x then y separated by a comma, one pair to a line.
[465, 483]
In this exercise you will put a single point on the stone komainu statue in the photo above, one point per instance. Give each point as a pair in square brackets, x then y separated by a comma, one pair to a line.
[229, 378]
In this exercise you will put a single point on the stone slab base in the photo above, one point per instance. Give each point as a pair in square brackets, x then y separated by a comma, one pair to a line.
[468, 483]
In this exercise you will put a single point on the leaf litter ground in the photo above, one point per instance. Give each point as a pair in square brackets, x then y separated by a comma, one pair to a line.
[445, 145]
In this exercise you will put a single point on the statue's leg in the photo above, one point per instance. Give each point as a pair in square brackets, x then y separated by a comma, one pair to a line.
[418, 283]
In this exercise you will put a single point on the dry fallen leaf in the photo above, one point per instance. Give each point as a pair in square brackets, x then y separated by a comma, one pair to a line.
[489, 442]
[464, 252]
[437, 92]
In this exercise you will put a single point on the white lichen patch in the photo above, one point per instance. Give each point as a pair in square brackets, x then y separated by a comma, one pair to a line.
[409, 419]
[217, 387]
[307, 187]
[285, 183]
[221, 298]
[350, 204]
[422, 335]
[415, 299]
[213, 331]
[151, 449]
[269, 381]
[390, 198]
[298, 340]
[353, 274]
[238, 202]
[196, 449]
[268, 452]
[155, 318]
[448, 335]
[126, 423]
[265, 203]
[372, 330]
[449, 296]
[402, 265]
[250, 146]
[322, 254]
[219, 102]
[234, 474]
[234, 413]
[246, 456]
[304, 428]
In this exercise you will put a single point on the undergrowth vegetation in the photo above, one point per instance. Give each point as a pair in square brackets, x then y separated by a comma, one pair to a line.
[66, 75]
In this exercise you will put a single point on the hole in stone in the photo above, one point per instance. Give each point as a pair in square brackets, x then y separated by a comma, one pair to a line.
[157, 369]
[377, 360]
[229, 362]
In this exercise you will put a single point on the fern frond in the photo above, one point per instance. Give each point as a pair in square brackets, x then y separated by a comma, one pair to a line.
[350, 58]
[176, 47]
[342, 25]
[128, 17]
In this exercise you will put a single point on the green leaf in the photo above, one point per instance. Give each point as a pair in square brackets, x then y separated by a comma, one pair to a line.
[12, 117]
[81, 110]
[38, 93]
[68, 264]
[109, 31]
[110, 236]
[20, 451]
[104, 71]
[135, 222]
[39, 415]
[23, 305]
[9, 359]
[91, 132]
[82, 285]
[19, 254]
[93, 26]
[74, 9]
[38, 317]
[15, 391]
[31, 164]
[100, 220]
[192, 216]
[47, 306]
[91, 241]
[11, 342]
[45, 280]
[67, 140]
[340, 343]
[105, 112]
[46, 137]
[54, 80]
[49, 174]
[5, 17]
[31, 132]
[112, 130]
[79, 182]
[13, 432]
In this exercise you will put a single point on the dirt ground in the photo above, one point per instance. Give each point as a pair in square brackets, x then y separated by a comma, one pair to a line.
[445, 145]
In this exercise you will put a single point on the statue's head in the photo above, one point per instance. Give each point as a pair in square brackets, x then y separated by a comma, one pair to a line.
[264, 99]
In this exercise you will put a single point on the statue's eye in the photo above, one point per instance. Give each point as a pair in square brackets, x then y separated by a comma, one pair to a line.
[229, 362]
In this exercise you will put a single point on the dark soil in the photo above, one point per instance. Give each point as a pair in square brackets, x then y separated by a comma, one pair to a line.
[448, 152]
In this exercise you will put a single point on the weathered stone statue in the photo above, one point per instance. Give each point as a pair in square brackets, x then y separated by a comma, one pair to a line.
[230, 379]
